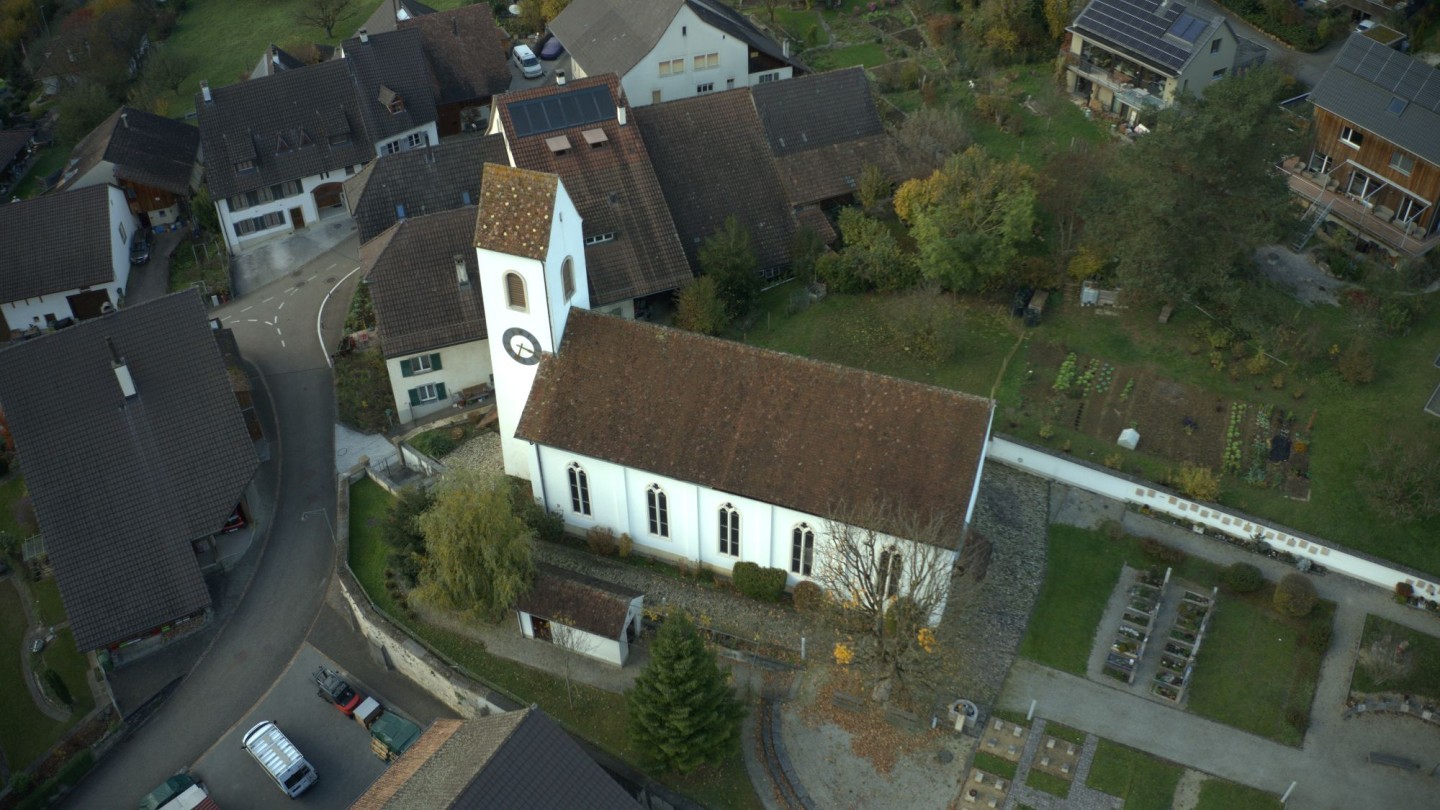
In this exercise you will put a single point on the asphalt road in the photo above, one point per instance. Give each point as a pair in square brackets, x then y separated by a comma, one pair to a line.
[276, 329]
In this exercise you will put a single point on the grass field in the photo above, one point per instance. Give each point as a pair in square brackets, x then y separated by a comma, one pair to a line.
[1054, 785]
[597, 715]
[1143, 781]
[992, 764]
[10, 493]
[1217, 794]
[25, 732]
[1256, 671]
[868, 54]
[47, 597]
[1424, 676]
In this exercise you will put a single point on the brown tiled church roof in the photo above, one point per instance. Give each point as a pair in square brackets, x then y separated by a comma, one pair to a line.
[774, 427]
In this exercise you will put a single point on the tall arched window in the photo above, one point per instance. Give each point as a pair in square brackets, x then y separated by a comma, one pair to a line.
[579, 490]
[887, 576]
[515, 291]
[802, 549]
[730, 530]
[567, 277]
[659, 511]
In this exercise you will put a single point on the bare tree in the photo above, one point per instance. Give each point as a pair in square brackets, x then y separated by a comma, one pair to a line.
[1384, 661]
[574, 642]
[327, 14]
[886, 592]
[929, 136]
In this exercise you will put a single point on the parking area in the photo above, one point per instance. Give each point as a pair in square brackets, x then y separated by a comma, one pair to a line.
[337, 746]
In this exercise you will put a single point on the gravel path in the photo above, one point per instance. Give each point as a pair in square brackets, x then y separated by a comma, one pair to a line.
[480, 453]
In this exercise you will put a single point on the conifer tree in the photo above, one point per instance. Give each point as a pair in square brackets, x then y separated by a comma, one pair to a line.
[683, 713]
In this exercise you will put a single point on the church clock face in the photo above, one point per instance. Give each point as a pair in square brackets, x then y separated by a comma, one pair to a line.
[522, 346]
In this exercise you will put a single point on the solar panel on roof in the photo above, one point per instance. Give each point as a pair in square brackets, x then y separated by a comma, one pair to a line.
[587, 105]
[1187, 27]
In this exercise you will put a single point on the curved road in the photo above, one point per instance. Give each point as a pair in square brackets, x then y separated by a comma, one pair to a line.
[276, 329]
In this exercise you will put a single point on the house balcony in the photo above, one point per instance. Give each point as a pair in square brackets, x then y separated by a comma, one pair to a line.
[1135, 88]
[1370, 221]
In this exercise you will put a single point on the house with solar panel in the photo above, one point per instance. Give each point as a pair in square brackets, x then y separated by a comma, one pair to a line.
[1374, 164]
[1128, 56]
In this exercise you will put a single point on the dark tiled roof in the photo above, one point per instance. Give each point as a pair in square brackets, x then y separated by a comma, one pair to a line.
[121, 488]
[579, 601]
[1368, 81]
[56, 242]
[12, 141]
[515, 759]
[611, 36]
[760, 424]
[817, 110]
[465, 52]
[145, 148]
[275, 60]
[424, 181]
[697, 146]
[420, 304]
[614, 187]
[1149, 30]
[383, 18]
[393, 62]
[515, 210]
[245, 121]
[826, 172]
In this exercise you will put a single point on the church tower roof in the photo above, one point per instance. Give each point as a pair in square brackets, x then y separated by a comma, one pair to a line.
[515, 210]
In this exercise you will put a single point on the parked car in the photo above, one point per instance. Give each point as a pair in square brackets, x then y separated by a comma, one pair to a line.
[551, 49]
[140, 248]
[524, 58]
[336, 690]
[179, 791]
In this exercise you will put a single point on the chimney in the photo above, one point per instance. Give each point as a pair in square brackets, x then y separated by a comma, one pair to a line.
[205, 91]
[785, 48]
[560, 78]
[620, 114]
[122, 371]
[364, 35]
[125, 117]
[460, 274]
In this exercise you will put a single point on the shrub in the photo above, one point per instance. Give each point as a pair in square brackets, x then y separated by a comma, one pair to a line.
[1198, 482]
[1113, 530]
[1317, 638]
[1357, 364]
[1159, 551]
[1243, 578]
[548, 526]
[683, 567]
[601, 541]
[1114, 461]
[57, 685]
[21, 782]
[434, 443]
[761, 584]
[808, 596]
[1295, 596]
[624, 545]
[1297, 718]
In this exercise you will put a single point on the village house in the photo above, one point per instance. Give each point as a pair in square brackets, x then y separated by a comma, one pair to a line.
[136, 456]
[668, 49]
[67, 258]
[1374, 165]
[277, 148]
[701, 449]
[154, 160]
[1128, 56]
[420, 181]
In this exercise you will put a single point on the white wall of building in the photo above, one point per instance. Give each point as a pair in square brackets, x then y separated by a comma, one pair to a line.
[686, 38]
[305, 201]
[461, 366]
[29, 312]
[404, 142]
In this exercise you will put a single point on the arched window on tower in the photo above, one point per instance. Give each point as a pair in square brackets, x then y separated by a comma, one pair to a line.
[567, 278]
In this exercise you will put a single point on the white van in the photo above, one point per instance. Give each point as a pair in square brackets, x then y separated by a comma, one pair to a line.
[524, 58]
[280, 758]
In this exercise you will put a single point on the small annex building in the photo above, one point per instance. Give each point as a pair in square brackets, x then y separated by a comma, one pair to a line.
[581, 614]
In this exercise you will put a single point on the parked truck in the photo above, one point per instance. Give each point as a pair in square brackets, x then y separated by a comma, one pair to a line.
[179, 792]
[331, 686]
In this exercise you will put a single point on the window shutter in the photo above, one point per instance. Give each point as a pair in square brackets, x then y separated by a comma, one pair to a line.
[440, 391]
[435, 362]
[406, 372]
[414, 396]
[515, 290]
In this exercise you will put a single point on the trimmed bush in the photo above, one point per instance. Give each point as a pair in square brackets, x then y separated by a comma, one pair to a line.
[1243, 578]
[808, 596]
[57, 685]
[1295, 596]
[435, 444]
[762, 584]
[601, 541]
[624, 545]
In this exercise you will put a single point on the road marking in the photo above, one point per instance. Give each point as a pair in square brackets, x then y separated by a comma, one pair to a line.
[313, 275]
[282, 306]
[268, 300]
[282, 343]
[331, 267]
[252, 320]
[319, 335]
[247, 309]
[269, 323]
[278, 332]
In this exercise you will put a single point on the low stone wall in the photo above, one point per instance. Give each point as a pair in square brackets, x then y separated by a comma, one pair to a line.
[1203, 515]
[407, 654]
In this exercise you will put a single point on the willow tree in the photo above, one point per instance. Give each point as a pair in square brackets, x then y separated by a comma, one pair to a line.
[477, 549]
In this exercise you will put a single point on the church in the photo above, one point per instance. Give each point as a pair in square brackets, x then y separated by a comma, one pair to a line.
[700, 449]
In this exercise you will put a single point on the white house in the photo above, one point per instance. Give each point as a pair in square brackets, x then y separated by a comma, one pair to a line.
[277, 148]
[581, 614]
[700, 449]
[67, 257]
[668, 49]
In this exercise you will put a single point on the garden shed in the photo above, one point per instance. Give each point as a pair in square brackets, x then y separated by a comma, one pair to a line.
[581, 614]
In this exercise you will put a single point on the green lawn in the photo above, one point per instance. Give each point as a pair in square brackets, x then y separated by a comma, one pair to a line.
[1038, 137]
[1217, 794]
[1066, 733]
[1081, 571]
[53, 157]
[1424, 676]
[10, 493]
[1050, 783]
[25, 732]
[62, 656]
[1255, 670]
[597, 715]
[989, 763]
[47, 596]
[1143, 781]
[868, 54]
[224, 39]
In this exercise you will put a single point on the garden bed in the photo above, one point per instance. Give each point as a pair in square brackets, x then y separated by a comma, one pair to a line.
[1419, 677]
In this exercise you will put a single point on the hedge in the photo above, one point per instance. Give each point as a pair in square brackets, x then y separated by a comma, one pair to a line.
[763, 584]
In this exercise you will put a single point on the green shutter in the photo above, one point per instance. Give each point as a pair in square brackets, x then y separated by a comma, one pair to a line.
[414, 396]
[405, 369]
[435, 361]
[440, 391]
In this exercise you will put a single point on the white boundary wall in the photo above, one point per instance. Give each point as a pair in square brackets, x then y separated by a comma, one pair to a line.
[1162, 502]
